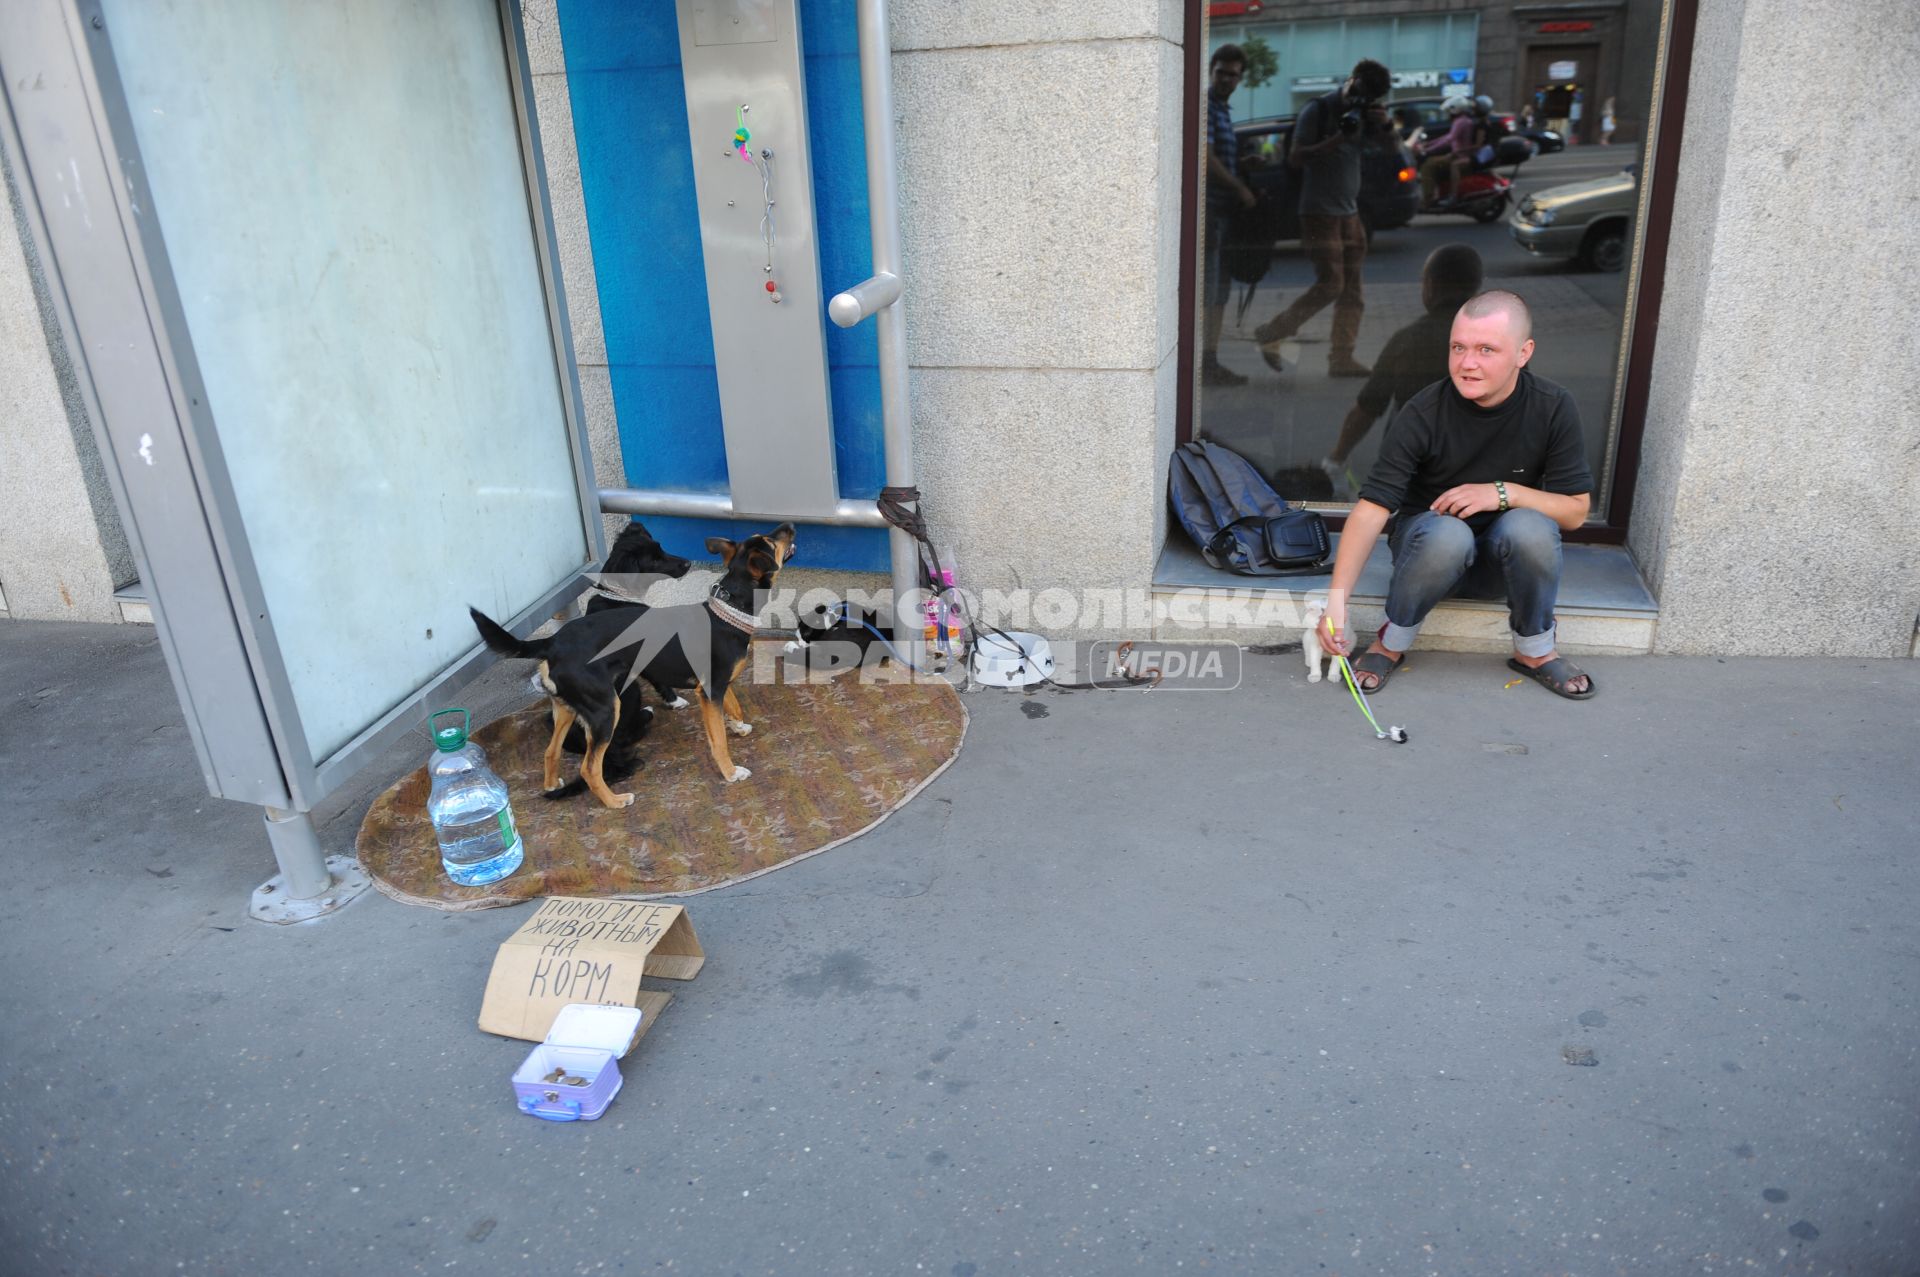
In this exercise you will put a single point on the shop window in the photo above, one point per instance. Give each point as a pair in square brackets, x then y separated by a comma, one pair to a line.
[1316, 312]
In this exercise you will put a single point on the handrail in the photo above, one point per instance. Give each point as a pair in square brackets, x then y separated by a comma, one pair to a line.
[718, 505]
[868, 297]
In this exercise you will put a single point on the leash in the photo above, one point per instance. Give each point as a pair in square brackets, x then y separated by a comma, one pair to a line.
[1398, 735]
[846, 617]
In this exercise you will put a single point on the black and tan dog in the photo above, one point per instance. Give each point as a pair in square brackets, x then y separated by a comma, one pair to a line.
[696, 647]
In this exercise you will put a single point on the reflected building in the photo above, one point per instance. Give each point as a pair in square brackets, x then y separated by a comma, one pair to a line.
[1564, 59]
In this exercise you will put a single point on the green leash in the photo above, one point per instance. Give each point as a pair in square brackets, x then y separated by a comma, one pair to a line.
[1398, 735]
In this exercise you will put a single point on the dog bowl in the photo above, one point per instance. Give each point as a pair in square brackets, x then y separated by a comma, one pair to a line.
[1011, 660]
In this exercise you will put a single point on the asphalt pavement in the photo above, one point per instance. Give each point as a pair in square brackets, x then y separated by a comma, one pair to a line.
[1154, 982]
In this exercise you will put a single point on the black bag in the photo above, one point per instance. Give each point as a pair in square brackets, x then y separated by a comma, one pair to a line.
[1247, 251]
[1236, 519]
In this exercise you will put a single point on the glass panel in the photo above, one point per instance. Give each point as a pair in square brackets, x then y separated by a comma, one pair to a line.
[346, 216]
[1330, 303]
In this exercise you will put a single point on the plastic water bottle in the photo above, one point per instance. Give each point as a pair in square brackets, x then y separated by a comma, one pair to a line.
[468, 805]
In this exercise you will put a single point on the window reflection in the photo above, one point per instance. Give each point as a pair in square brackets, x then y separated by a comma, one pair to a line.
[1502, 152]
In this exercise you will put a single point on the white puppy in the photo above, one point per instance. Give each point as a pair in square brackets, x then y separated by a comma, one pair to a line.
[1310, 637]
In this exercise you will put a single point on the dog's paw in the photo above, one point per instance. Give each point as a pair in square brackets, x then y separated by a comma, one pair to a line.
[739, 728]
[1313, 676]
[646, 712]
[621, 800]
[739, 773]
[678, 702]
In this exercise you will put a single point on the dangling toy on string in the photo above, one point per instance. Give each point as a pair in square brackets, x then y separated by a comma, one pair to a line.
[742, 135]
[763, 164]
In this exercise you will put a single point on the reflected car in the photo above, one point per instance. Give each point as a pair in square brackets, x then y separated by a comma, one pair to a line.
[1589, 221]
[1389, 183]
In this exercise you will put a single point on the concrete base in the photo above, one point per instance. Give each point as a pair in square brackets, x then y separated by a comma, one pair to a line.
[133, 605]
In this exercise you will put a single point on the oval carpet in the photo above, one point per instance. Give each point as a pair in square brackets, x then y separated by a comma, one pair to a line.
[830, 760]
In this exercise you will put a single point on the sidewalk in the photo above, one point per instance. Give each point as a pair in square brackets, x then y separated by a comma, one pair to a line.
[1145, 982]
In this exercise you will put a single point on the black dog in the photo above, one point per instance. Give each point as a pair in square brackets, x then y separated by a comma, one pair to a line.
[635, 556]
[838, 637]
[632, 563]
[588, 663]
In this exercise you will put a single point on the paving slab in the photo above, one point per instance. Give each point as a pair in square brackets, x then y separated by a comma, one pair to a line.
[1154, 982]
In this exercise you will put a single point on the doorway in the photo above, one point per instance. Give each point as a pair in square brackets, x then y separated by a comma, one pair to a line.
[1561, 77]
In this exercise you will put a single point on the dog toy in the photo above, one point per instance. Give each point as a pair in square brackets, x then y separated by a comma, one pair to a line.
[742, 146]
[742, 135]
[1398, 735]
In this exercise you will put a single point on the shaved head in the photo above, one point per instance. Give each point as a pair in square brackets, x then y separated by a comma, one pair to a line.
[1498, 301]
[1491, 341]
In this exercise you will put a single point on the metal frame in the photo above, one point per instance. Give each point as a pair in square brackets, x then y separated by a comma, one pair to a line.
[119, 313]
[883, 216]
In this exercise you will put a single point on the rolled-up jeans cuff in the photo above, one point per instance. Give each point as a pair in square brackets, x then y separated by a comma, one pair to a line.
[1398, 638]
[1535, 645]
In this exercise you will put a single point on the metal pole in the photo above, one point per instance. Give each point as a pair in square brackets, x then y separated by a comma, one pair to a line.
[883, 211]
[868, 297]
[296, 849]
[714, 505]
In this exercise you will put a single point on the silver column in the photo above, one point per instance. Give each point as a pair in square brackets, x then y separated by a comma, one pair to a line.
[883, 208]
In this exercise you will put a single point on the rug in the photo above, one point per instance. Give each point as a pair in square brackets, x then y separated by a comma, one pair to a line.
[830, 760]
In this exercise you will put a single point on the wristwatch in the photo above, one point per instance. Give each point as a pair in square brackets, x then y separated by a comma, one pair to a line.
[1501, 487]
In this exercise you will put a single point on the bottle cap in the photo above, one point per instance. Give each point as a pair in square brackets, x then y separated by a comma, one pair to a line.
[452, 736]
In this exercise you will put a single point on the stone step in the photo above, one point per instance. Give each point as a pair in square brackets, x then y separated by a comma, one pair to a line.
[1605, 609]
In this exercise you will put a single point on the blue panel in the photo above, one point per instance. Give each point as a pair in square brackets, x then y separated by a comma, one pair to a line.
[630, 126]
[669, 427]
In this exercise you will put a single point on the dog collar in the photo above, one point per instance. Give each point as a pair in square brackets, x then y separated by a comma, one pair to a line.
[618, 595]
[732, 615]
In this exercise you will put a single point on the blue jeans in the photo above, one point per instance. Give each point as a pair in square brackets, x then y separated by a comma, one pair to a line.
[1435, 555]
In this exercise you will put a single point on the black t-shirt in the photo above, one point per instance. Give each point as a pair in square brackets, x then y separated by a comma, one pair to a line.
[1438, 440]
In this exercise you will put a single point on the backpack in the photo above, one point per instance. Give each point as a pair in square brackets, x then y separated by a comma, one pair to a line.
[1236, 519]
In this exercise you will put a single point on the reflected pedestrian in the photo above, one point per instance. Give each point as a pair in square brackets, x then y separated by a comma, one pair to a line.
[1414, 358]
[1328, 138]
[1225, 193]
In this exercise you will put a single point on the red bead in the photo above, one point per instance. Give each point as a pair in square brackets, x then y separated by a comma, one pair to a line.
[771, 285]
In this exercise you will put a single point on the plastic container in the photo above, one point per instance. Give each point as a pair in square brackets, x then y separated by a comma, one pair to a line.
[581, 1046]
[472, 819]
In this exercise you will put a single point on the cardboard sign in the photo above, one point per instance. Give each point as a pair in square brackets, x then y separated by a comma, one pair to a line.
[577, 950]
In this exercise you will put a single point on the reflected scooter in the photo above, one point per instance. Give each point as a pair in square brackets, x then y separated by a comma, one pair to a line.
[1485, 194]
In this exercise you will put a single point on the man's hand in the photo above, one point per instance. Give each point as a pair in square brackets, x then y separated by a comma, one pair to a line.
[1467, 499]
[1246, 196]
[1335, 638]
